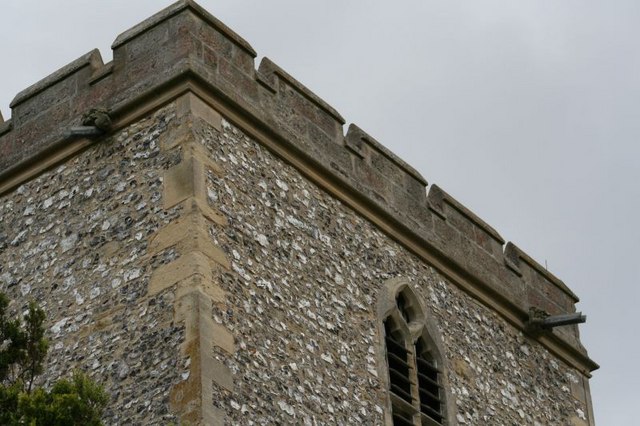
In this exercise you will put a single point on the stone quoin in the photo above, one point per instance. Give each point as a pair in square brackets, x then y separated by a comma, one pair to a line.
[210, 245]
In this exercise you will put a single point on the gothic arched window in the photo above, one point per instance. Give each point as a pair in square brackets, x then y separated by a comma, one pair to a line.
[413, 360]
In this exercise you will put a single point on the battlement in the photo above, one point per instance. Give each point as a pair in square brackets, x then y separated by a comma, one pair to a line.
[5, 126]
[185, 49]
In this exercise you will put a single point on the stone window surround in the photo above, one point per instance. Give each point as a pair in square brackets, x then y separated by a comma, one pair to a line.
[421, 325]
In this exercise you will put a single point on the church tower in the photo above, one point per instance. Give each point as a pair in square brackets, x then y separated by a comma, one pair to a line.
[212, 246]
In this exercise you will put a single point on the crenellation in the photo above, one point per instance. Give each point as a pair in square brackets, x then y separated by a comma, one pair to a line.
[268, 69]
[481, 265]
[465, 221]
[136, 66]
[55, 102]
[55, 95]
[245, 84]
[92, 59]
[543, 290]
[366, 146]
[176, 8]
[298, 102]
[185, 32]
[240, 55]
[344, 195]
[391, 179]
[5, 127]
[101, 73]
[526, 266]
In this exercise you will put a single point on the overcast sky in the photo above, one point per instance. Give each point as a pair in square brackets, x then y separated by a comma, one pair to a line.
[525, 111]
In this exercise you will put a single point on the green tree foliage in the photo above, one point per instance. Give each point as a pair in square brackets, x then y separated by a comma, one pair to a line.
[23, 349]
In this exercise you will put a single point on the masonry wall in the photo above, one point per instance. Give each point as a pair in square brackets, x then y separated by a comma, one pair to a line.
[217, 255]
[75, 239]
[307, 273]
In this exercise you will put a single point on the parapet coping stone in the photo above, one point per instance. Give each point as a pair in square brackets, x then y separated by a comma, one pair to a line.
[437, 196]
[512, 256]
[355, 134]
[268, 67]
[92, 58]
[186, 68]
[174, 9]
[5, 126]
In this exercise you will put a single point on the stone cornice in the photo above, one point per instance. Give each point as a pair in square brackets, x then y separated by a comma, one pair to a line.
[190, 51]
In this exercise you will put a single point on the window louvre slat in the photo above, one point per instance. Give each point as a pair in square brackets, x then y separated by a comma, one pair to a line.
[428, 385]
[426, 364]
[408, 360]
[398, 375]
[403, 362]
[428, 379]
[401, 393]
[396, 345]
[435, 415]
[401, 420]
[429, 394]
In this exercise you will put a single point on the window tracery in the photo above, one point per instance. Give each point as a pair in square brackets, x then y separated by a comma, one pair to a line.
[413, 361]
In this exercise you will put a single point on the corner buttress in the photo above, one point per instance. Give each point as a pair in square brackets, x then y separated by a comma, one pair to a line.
[193, 274]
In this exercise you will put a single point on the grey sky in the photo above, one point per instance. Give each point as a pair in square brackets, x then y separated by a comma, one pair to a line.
[525, 111]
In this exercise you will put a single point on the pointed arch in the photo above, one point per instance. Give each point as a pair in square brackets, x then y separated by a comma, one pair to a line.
[412, 362]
